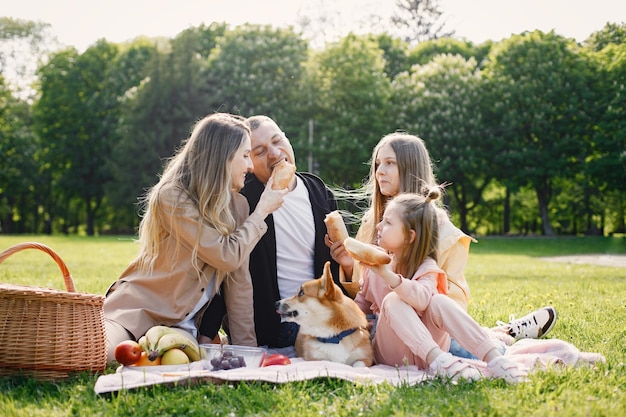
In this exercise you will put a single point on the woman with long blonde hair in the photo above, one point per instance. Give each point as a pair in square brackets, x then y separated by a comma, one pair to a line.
[195, 238]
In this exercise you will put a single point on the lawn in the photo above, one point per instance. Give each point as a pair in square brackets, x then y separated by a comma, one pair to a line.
[506, 276]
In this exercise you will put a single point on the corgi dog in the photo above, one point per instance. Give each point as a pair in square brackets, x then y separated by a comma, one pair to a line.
[332, 326]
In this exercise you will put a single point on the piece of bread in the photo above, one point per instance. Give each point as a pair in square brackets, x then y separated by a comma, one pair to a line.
[367, 254]
[336, 227]
[283, 173]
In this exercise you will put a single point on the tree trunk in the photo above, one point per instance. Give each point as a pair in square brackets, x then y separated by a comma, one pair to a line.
[90, 217]
[506, 226]
[543, 200]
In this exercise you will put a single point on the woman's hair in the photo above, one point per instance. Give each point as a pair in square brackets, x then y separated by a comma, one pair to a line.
[201, 168]
[415, 171]
[418, 213]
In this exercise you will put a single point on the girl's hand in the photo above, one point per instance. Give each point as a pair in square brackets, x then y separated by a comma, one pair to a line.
[270, 200]
[339, 253]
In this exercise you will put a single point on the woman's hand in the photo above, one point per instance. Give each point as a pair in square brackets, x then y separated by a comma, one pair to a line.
[339, 253]
[270, 200]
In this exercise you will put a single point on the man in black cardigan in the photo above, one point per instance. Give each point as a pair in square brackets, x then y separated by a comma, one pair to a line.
[270, 146]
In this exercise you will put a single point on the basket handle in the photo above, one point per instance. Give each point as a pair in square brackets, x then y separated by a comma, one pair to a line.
[67, 278]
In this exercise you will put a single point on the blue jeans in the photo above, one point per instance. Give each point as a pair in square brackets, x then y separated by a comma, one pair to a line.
[460, 351]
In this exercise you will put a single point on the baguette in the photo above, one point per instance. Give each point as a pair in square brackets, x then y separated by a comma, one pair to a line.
[337, 231]
[283, 173]
[364, 253]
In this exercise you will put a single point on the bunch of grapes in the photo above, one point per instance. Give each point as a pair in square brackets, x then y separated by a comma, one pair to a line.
[227, 361]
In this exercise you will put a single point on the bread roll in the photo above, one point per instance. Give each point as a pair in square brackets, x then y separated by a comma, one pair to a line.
[367, 254]
[336, 227]
[283, 173]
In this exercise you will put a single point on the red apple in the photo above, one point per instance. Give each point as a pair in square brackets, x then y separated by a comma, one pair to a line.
[128, 352]
[276, 359]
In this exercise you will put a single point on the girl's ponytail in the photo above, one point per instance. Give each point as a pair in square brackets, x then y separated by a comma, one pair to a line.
[433, 194]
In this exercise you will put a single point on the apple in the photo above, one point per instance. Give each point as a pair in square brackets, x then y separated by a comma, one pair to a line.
[276, 359]
[128, 352]
[145, 361]
[174, 357]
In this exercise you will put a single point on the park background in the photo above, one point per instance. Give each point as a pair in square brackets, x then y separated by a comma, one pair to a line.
[527, 132]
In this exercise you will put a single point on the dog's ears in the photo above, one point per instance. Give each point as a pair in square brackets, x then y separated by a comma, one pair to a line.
[331, 291]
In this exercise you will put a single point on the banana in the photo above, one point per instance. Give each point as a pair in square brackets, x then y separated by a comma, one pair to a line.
[143, 342]
[155, 333]
[178, 340]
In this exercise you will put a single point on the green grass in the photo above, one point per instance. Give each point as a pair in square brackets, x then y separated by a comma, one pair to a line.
[506, 276]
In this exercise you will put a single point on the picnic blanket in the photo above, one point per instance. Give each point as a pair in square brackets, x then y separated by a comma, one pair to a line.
[533, 354]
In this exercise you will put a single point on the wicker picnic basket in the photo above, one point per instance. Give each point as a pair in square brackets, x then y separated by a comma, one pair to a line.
[46, 333]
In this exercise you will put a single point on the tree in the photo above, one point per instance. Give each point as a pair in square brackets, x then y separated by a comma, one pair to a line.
[260, 70]
[352, 101]
[257, 70]
[541, 83]
[77, 120]
[395, 53]
[419, 20]
[606, 162]
[17, 159]
[440, 102]
[611, 33]
[424, 52]
[168, 96]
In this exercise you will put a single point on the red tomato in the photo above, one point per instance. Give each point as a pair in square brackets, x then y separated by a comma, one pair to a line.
[128, 352]
[276, 359]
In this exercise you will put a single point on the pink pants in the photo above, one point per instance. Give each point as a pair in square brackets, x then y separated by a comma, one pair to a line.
[405, 337]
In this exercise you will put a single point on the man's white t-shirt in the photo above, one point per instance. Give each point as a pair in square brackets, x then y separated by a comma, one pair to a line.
[295, 240]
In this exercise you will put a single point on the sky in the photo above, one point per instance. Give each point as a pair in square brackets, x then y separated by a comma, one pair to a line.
[80, 23]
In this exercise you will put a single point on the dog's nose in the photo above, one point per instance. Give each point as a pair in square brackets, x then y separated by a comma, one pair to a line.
[277, 305]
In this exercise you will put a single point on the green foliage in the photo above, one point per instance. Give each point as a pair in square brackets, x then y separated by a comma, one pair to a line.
[352, 101]
[19, 169]
[506, 275]
[611, 33]
[440, 101]
[535, 111]
[607, 167]
[256, 70]
[165, 99]
[541, 80]
[424, 52]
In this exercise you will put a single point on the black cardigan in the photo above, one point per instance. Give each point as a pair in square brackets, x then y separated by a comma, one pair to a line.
[263, 256]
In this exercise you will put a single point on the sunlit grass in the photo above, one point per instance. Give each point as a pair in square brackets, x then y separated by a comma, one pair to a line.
[506, 276]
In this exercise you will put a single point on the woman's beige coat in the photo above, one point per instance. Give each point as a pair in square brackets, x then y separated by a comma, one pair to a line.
[139, 300]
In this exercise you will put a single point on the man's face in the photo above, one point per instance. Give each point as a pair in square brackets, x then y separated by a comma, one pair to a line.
[269, 147]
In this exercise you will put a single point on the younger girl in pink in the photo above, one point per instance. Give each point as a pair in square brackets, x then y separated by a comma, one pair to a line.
[416, 317]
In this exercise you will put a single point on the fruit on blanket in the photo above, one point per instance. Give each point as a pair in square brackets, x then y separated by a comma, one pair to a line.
[143, 342]
[275, 359]
[160, 339]
[154, 334]
[174, 356]
[176, 340]
[145, 360]
[128, 352]
[227, 360]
